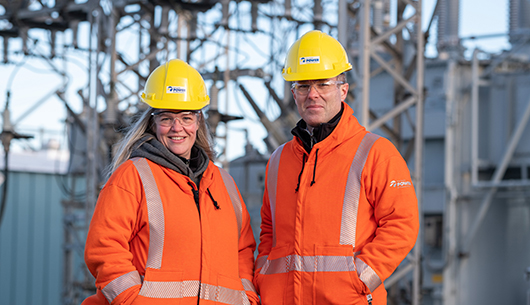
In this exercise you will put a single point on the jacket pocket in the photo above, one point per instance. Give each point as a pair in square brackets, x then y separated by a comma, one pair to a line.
[336, 280]
[159, 287]
[232, 291]
[272, 282]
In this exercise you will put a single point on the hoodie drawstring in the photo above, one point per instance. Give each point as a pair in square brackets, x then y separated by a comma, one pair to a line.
[315, 167]
[215, 204]
[302, 170]
[195, 196]
[300, 175]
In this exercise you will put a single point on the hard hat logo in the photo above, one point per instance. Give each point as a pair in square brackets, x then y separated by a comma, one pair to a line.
[309, 60]
[176, 89]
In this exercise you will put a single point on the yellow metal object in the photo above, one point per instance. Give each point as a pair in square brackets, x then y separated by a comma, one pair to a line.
[437, 278]
[175, 85]
[315, 55]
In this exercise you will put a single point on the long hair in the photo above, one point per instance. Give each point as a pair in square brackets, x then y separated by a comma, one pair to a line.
[204, 138]
[146, 125]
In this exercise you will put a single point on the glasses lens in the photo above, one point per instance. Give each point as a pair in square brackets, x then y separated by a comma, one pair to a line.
[320, 87]
[167, 119]
[187, 118]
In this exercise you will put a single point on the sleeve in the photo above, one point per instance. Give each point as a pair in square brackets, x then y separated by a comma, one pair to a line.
[390, 192]
[265, 245]
[107, 253]
[247, 245]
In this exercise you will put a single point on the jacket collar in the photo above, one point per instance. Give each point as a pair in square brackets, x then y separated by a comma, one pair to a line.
[150, 148]
[310, 136]
[347, 127]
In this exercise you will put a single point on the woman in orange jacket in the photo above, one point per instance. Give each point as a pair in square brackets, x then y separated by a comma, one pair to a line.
[169, 226]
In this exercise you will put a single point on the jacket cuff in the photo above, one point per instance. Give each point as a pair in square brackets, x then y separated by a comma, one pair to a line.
[367, 275]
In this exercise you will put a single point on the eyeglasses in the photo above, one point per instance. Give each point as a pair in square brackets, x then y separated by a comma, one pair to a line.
[321, 87]
[168, 118]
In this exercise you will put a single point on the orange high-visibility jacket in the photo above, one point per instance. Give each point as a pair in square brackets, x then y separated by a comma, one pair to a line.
[148, 243]
[351, 222]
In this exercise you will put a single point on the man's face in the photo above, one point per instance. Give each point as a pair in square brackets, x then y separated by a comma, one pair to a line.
[318, 101]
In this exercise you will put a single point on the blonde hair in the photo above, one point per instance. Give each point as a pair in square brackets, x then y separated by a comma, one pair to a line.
[146, 125]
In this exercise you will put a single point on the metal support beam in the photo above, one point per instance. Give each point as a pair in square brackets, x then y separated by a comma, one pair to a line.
[411, 101]
[273, 129]
[418, 152]
[401, 72]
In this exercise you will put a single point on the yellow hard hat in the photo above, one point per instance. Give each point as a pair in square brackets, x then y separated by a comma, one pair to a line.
[175, 85]
[315, 55]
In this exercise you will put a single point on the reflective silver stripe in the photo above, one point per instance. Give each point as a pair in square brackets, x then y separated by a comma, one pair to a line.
[120, 284]
[272, 179]
[223, 295]
[234, 197]
[170, 290]
[248, 286]
[190, 289]
[309, 264]
[155, 212]
[260, 261]
[350, 204]
[367, 275]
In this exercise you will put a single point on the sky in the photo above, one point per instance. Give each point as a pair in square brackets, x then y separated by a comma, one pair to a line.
[31, 81]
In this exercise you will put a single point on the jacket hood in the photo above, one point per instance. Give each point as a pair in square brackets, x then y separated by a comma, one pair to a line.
[150, 148]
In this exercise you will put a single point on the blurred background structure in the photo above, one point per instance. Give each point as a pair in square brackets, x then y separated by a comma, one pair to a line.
[459, 116]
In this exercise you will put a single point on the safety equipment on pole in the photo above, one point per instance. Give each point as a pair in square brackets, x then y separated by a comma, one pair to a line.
[315, 55]
[175, 85]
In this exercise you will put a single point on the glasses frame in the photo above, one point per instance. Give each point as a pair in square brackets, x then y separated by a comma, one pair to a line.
[314, 84]
[176, 118]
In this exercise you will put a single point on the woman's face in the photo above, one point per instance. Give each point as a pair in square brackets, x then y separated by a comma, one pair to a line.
[177, 130]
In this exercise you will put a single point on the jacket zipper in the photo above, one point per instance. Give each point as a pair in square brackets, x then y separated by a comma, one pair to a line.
[369, 298]
[196, 199]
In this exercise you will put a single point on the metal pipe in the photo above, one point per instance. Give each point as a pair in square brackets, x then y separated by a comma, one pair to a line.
[448, 23]
[92, 118]
[364, 61]
[226, 78]
[288, 6]
[474, 117]
[111, 113]
[317, 14]
[378, 15]
[513, 23]
[450, 213]
[342, 26]
[508, 183]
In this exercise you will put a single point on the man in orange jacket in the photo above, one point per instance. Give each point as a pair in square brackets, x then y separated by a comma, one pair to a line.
[339, 211]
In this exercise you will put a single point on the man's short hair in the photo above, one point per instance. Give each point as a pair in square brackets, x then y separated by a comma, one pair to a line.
[342, 77]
